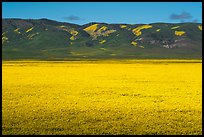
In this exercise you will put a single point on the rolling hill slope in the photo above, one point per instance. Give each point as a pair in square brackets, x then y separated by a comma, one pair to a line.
[45, 39]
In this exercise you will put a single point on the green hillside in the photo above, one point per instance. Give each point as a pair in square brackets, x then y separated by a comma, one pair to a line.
[45, 39]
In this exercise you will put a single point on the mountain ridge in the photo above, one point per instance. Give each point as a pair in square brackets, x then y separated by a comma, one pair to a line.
[47, 19]
[46, 39]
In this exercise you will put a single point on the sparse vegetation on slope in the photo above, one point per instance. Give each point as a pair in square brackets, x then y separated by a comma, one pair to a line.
[51, 40]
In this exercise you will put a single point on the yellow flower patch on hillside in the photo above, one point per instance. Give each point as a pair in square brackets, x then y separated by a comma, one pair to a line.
[103, 28]
[91, 28]
[123, 26]
[175, 27]
[30, 36]
[17, 30]
[179, 33]
[137, 31]
[158, 30]
[29, 30]
[72, 38]
[4, 33]
[134, 43]
[200, 27]
[103, 41]
[73, 32]
[103, 31]
[141, 46]
[62, 26]
[4, 39]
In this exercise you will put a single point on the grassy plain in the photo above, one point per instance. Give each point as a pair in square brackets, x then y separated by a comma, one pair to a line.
[102, 97]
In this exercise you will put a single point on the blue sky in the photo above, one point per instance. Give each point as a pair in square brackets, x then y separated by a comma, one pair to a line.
[108, 12]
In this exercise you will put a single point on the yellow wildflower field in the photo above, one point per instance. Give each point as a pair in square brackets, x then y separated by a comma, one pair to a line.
[102, 97]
